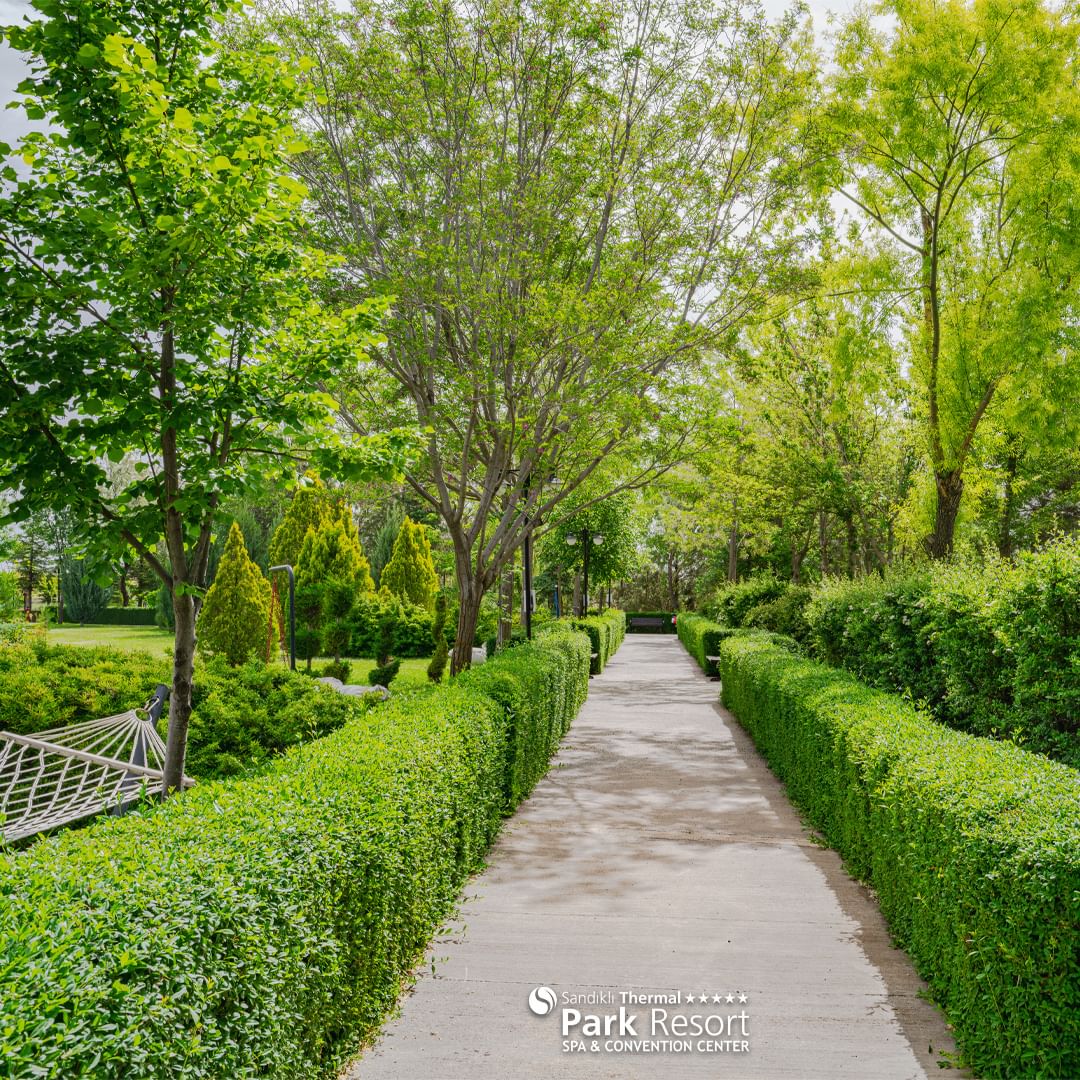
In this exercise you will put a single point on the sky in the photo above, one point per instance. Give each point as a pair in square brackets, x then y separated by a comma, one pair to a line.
[13, 70]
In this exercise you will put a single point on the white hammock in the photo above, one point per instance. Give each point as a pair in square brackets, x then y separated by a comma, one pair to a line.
[66, 774]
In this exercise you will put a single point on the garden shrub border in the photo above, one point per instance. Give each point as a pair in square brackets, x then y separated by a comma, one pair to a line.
[701, 638]
[669, 626]
[263, 927]
[972, 846]
[606, 633]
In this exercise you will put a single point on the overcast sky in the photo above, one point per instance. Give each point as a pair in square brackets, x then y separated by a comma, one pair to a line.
[12, 69]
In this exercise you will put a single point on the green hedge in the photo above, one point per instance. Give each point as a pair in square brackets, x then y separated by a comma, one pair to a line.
[606, 633]
[992, 648]
[972, 846]
[667, 628]
[702, 637]
[262, 927]
[125, 616]
[540, 691]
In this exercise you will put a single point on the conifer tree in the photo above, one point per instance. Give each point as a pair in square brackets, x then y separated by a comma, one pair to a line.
[410, 573]
[236, 612]
[333, 553]
[308, 509]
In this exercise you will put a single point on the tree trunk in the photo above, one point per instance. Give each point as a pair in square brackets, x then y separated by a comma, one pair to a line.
[180, 698]
[950, 486]
[468, 617]
[506, 605]
[733, 552]
[823, 544]
[125, 599]
[576, 606]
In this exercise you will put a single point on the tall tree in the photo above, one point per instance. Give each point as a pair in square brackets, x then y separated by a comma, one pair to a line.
[960, 128]
[569, 203]
[157, 295]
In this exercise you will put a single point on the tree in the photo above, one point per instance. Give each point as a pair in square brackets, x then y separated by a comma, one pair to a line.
[158, 299]
[382, 546]
[235, 615]
[309, 508]
[410, 573]
[568, 205]
[960, 132]
[333, 553]
[33, 558]
[84, 598]
[613, 556]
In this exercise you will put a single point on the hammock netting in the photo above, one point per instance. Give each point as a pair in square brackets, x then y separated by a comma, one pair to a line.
[63, 775]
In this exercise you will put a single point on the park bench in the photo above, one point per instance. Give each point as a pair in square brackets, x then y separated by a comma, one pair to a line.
[647, 622]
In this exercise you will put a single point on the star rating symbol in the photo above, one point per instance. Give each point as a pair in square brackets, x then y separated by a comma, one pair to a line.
[689, 995]
[743, 999]
[717, 999]
[730, 999]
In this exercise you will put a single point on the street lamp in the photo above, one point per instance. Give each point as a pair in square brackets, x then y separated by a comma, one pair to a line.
[588, 541]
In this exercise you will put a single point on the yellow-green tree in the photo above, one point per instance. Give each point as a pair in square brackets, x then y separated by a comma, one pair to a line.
[333, 553]
[235, 615]
[309, 509]
[410, 573]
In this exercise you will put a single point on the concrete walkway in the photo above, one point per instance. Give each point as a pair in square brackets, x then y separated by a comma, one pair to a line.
[660, 856]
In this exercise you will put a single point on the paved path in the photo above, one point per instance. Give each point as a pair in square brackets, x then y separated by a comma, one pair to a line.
[661, 856]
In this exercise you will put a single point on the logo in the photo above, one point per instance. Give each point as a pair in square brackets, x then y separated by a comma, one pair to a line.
[542, 1000]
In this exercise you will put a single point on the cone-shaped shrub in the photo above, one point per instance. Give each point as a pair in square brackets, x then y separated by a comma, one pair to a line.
[410, 573]
[309, 509]
[333, 553]
[236, 612]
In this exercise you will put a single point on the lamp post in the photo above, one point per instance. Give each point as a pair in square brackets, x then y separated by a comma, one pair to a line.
[588, 540]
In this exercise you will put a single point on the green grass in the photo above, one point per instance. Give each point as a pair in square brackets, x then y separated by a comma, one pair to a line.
[126, 638]
[150, 639]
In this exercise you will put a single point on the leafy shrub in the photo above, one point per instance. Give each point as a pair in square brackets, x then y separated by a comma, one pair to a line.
[734, 600]
[972, 846]
[263, 927]
[412, 626]
[606, 633]
[337, 669]
[241, 717]
[786, 614]
[991, 648]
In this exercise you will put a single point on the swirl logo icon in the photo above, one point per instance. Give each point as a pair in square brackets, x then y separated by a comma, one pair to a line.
[542, 1000]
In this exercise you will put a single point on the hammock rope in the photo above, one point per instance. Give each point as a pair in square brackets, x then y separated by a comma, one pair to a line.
[65, 774]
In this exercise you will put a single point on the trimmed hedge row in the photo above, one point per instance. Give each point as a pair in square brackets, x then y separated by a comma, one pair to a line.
[125, 616]
[263, 927]
[606, 632]
[701, 637]
[540, 691]
[972, 846]
[993, 649]
[668, 626]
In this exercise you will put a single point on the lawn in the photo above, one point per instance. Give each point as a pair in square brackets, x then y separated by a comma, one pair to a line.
[151, 639]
